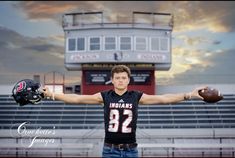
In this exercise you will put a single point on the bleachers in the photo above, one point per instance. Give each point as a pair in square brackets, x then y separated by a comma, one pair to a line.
[186, 114]
[187, 129]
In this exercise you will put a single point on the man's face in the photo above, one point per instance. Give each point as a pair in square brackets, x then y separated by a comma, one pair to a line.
[120, 80]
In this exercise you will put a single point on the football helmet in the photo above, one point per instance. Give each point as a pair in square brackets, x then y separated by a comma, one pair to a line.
[27, 91]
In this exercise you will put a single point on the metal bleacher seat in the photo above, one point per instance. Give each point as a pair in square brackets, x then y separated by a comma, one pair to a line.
[186, 114]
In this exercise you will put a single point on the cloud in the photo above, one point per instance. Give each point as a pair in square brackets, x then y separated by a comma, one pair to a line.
[46, 54]
[215, 16]
[183, 60]
[22, 57]
[43, 10]
[193, 41]
[57, 39]
[199, 67]
[212, 16]
[53, 10]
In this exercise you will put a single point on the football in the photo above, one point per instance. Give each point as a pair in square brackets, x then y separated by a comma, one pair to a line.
[210, 95]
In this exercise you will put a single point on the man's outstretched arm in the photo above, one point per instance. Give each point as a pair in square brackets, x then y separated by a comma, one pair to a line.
[170, 98]
[74, 98]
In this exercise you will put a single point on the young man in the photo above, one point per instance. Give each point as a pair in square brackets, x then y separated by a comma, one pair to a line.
[120, 110]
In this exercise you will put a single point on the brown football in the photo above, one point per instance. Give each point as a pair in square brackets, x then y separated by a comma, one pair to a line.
[210, 95]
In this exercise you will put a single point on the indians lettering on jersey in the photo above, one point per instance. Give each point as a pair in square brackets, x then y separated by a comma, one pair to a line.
[120, 105]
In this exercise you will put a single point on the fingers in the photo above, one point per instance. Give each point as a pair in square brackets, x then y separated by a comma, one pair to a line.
[45, 88]
[200, 97]
[42, 90]
[202, 88]
[195, 92]
[46, 92]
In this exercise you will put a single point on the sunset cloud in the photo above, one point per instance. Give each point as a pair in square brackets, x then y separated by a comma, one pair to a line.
[202, 41]
[184, 60]
[49, 10]
[53, 39]
[193, 41]
[196, 15]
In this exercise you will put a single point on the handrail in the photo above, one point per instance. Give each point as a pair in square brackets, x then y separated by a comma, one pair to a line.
[187, 145]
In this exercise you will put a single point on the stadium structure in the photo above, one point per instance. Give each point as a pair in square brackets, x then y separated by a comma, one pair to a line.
[190, 128]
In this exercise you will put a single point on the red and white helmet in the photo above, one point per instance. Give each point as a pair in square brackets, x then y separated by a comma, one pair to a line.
[27, 91]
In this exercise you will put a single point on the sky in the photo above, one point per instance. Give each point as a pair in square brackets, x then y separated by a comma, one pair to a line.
[203, 37]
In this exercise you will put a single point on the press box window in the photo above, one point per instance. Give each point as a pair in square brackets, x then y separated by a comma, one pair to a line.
[71, 44]
[110, 43]
[164, 44]
[140, 43]
[80, 44]
[125, 43]
[94, 43]
[160, 44]
[154, 44]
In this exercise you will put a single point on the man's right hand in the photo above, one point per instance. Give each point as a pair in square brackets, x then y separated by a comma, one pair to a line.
[47, 93]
